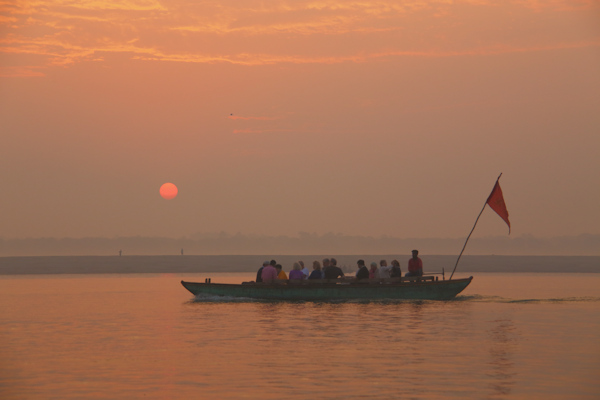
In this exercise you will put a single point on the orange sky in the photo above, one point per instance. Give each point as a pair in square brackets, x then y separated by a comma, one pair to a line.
[278, 117]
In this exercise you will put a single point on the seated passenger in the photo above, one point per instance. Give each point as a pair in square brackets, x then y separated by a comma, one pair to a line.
[280, 272]
[333, 271]
[384, 270]
[395, 272]
[296, 273]
[269, 273]
[305, 270]
[260, 270]
[415, 265]
[316, 272]
[373, 272]
[363, 272]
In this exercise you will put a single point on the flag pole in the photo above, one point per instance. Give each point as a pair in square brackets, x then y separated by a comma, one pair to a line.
[474, 225]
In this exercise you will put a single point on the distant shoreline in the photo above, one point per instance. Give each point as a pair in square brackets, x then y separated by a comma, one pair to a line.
[303, 243]
[36, 265]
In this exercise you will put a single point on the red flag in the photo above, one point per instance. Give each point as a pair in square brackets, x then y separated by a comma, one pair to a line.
[496, 203]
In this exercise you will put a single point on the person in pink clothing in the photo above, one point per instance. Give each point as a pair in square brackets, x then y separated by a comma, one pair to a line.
[373, 272]
[269, 273]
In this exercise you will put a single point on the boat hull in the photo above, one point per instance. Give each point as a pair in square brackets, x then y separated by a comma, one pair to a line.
[425, 290]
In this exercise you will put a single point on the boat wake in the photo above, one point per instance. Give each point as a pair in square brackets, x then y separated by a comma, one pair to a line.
[474, 298]
[497, 299]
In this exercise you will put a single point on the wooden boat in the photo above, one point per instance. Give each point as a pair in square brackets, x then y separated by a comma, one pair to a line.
[413, 288]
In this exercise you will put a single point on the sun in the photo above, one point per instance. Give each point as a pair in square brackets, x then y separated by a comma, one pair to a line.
[168, 191]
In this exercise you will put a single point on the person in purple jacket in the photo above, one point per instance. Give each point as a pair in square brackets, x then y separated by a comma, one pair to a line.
[295, 273]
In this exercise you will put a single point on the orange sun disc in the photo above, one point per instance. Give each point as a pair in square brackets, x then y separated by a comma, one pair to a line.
[168, 191]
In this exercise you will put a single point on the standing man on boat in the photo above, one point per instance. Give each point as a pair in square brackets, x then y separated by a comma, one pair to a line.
[415, 265]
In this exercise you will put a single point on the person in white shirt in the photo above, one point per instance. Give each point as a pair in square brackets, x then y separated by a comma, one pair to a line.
[384, 270]
[305, 270]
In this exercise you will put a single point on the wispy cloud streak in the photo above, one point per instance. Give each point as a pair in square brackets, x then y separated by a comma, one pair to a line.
[252, 32]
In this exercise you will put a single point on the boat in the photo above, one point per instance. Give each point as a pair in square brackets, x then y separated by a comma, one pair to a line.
[405, 288]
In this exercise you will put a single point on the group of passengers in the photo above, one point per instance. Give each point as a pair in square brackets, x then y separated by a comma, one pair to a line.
[271, 271]
[415, 268]
[381, 272]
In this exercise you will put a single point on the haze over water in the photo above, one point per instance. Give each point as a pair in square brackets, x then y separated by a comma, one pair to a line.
[296, 127]
[508, 336]
[298, 117]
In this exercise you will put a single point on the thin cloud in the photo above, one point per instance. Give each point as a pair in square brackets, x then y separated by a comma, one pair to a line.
[490, 50]
[21, 71]
[60, 53]
[270, 59]
[126, 5]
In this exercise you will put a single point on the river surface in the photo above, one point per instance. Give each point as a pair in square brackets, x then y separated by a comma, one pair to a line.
[143, 336]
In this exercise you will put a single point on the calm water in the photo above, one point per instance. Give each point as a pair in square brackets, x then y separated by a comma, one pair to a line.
[508, 336]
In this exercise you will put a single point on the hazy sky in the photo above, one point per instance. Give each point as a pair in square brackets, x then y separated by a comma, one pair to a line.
[276, 117]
